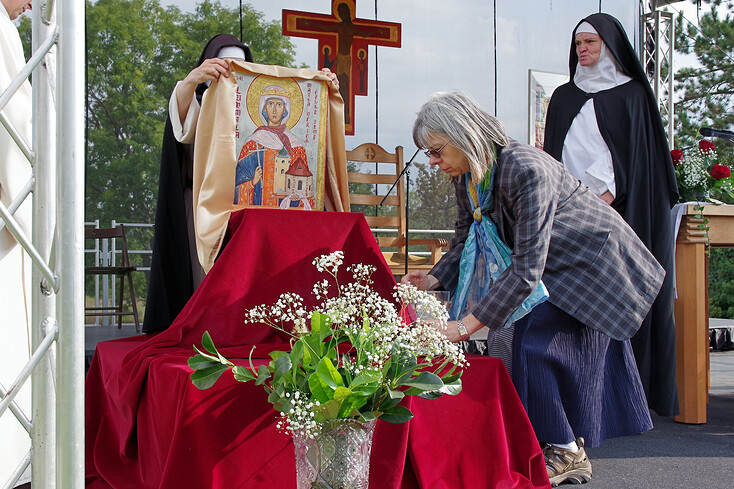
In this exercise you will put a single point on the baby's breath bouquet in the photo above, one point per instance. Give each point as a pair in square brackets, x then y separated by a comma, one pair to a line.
[352, 357]
[698, 172]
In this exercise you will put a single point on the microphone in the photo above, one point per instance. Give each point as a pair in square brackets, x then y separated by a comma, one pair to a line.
[716, 133]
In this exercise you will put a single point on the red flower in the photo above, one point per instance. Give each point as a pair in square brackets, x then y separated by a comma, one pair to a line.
[677, 156]
[720, 171]
[705, 146]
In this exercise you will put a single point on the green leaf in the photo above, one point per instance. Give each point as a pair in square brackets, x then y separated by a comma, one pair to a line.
[451, 389]
[331, 353]
[388, 403]
[386, 369]
[341, 393]
[315, 345]
[277, 354]
[366, 377]
[450, 379]
[368, 416]
[406, 374]
[208, 343]
[346, 360]
[429, 394]
[282, 365]
[213, 358]
[397, 414]
[350, 405]
[205, 378]
[297, 355]
[263, 374]
[365, 390]
[425, 381]
[325, 328]
[320, 390]
[281, 403]
[329, 373]
[318, 322]
[395, 394]
[327, 410]
[200, 362]
[242, 374]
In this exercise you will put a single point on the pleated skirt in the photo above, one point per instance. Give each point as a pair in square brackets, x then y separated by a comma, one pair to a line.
[575, 381]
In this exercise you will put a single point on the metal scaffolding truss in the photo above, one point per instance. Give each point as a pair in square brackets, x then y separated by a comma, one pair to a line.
[56, 368]
[658, 47]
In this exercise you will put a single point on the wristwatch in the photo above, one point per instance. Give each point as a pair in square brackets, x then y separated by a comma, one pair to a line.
[462, 330]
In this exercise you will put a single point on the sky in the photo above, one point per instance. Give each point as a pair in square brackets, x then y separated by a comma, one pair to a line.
[450, 46]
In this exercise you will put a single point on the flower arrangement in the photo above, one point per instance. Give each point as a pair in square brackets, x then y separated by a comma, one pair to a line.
[700, 172]
[352, 357]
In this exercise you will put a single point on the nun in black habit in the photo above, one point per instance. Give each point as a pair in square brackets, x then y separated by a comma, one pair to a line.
[175, 271]
[605, 127]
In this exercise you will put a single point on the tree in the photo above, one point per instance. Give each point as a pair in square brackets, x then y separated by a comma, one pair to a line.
[136, 51]
[432, 199]
[706, 90]
[721, 283]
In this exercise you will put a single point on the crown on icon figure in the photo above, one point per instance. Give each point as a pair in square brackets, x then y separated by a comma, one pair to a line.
[275, 90]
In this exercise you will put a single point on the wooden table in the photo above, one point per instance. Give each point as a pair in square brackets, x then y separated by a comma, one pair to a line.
[691, 306]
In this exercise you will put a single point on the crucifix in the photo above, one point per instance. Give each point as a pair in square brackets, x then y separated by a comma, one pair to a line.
[343, 42]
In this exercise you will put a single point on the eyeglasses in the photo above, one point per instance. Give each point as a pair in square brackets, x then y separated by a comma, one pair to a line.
[435, 152]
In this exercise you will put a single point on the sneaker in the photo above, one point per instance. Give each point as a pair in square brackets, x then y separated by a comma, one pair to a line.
[566, 465]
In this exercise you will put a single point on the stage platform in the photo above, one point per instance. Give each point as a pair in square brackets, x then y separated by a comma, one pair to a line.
[96, 334]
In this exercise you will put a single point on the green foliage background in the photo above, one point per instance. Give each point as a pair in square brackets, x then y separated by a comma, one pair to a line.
[706, 92]
[136, 52]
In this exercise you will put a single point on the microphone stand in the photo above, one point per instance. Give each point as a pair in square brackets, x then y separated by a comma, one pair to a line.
[728, 139]
[708, 132]
[406, 172]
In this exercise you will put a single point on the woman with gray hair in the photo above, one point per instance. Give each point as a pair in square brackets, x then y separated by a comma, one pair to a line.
[536, 249]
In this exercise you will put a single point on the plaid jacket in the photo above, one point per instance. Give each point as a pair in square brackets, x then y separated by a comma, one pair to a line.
[593, 264]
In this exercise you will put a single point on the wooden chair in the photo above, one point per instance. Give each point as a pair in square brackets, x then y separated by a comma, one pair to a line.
[367, 189]
[123, 270]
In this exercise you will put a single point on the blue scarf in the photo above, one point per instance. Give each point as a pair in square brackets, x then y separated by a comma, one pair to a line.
[485, 256]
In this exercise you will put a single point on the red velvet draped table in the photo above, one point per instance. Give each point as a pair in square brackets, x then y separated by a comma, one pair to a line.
[147, 426]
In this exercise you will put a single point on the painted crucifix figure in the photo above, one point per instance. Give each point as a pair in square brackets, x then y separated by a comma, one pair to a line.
[343, 41]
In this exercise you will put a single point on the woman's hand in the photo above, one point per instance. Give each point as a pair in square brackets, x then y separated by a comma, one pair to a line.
[332, 77]
[607, 197]
[471, 323]
[210, 70]
[420, 280]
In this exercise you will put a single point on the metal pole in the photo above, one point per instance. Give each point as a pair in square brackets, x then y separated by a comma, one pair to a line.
[671, 79]
[43, 391]
[24, 241]
[70, 385]
[27, 370]
[658, 95]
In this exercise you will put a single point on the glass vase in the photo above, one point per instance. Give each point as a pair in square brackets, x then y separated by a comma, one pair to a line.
[695, 196]
[337, 458]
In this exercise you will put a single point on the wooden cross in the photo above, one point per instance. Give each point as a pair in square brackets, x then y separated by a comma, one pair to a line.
[343, 42]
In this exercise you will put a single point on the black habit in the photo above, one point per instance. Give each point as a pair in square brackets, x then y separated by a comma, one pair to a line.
[171, 279]
[646, 189]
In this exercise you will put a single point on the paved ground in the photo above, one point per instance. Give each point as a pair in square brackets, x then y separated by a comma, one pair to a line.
[674, 455]
[671, 455]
